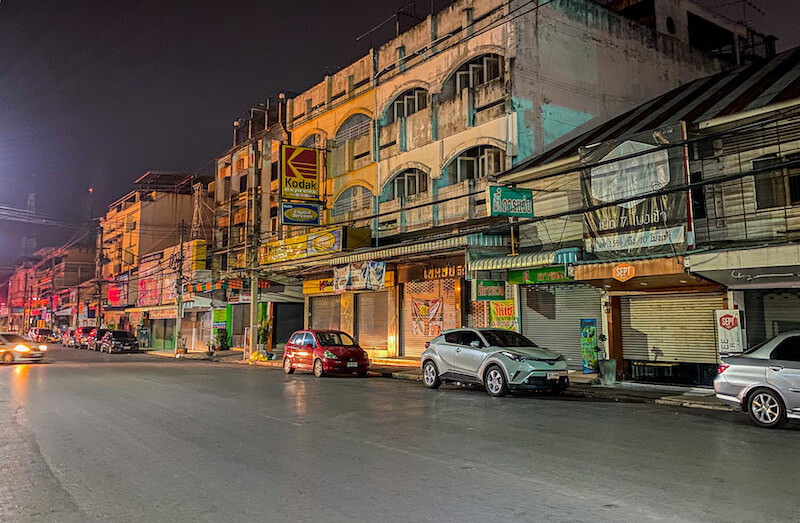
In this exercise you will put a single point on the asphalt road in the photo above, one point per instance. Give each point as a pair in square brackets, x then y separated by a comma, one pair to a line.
[118, 437]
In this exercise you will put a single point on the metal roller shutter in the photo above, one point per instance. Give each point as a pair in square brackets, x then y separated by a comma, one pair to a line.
[417, 331]
[326, 312]
[373, 319]
[552, 314]
[676, 328]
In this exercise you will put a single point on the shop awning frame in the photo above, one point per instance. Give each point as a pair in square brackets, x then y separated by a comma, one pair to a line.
[524, 261]
[458, 242]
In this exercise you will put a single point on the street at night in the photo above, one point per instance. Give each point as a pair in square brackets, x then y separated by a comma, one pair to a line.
[88, 436]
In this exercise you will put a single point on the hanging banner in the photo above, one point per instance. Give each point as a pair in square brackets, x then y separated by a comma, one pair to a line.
[426, 316]
[502, 314]
[300, 173]
[220, 318]
[508, 201]
[375, 277]
[639, 223]
[589, 345]
[357, 276]
[729, 331]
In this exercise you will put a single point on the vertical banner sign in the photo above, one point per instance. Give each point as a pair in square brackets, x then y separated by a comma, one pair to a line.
[502, 314]
[426, 317]
[729, 331]
[638, 220]
[589, 345]
[300, 173]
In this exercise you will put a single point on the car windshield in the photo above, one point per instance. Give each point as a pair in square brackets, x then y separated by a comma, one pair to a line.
[338, 339]
[503, 338]
[14, 338]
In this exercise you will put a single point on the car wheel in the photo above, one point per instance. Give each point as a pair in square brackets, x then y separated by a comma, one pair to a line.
[287, 366]
[8, 358]
[495, 382]
[766, 409]
[430, 375]
[318, 370]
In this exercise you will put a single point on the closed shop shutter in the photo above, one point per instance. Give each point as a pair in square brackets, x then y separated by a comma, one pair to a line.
[552, 314]
[373, 319]
[436, 310]
[677, 328]
[326, 312]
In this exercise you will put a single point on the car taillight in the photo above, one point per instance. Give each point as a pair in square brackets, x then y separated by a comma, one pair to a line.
[721, 368]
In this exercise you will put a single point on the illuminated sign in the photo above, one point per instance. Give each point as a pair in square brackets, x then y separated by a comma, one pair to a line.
[300, 173]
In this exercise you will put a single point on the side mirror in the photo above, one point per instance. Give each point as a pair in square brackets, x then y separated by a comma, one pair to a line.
[475, 344]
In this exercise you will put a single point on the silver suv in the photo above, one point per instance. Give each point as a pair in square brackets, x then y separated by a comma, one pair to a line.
[764, 380]
[501, 360]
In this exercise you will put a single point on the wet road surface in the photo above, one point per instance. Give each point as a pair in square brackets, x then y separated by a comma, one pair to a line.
[134, 437]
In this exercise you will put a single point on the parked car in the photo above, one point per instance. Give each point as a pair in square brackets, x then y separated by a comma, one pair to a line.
[82, 337]
[93, 341]
[500, 360]
[763, 381]
[324, 352]
[119, 341]
[15, 348]
[42, 335]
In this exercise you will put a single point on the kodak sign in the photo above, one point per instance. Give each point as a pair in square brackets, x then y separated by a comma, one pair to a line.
[300, 173]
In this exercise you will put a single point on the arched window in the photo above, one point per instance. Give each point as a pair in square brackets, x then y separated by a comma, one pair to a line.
[474, 164]
[355, 198]
[474, 73]
[406, 104]
[405, 184]
[314, 140]
[354, 127]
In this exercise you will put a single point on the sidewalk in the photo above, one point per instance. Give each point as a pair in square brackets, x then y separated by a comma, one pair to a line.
[221, 356]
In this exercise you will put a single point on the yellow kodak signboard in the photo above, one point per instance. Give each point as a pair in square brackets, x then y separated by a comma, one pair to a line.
[301, 173]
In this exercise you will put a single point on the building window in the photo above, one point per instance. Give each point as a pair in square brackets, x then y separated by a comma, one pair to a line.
[779, 187]
[356, 198]
[698, 196]
[354, 127]
[406, 104]
[315, 140]
[476, 163]
[243, 184]
[472, 74]
[405, 184]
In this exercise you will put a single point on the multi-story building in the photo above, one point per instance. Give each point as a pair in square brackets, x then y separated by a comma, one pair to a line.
[20, 292]
[671, 228]
[162, 207]
[417, 130]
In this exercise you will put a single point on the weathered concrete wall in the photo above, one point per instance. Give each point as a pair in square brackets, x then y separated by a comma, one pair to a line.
[578, 63]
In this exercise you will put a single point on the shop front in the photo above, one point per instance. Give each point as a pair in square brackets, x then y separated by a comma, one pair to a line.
[661, 320]
[763, 285]
[431, 301]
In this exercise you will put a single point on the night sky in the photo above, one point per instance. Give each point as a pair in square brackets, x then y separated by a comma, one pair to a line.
[96, 93]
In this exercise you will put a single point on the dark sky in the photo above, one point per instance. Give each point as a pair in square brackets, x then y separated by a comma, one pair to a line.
[95, 93]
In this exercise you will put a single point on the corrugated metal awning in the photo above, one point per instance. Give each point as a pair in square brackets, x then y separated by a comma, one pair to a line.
[524, 261]
[471, 240]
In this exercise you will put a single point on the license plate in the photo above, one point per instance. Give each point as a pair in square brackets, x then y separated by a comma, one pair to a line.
[553, 375]
[352, 364]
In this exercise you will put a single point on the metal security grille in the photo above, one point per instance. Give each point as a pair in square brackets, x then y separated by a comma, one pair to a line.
[677, 328]
[373, 319]
[326, 312]
[419, 327]
[552, 314]
[478, 314]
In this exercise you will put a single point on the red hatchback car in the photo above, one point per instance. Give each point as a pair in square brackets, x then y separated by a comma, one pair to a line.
[324, 352]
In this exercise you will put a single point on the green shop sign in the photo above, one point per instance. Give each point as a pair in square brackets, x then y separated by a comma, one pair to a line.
[538, 275]
[490, 290]
[507, 201]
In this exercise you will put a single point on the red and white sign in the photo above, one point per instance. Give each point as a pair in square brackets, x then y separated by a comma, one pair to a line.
[729, 331]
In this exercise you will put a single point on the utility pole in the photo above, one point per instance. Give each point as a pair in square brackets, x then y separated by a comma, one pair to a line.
[98, 317]
[179, 296]
[254, 241]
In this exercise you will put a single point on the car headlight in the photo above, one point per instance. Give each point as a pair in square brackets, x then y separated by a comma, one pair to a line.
[43, 348]
[512, 356]
[328, 354]
[22, 348]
